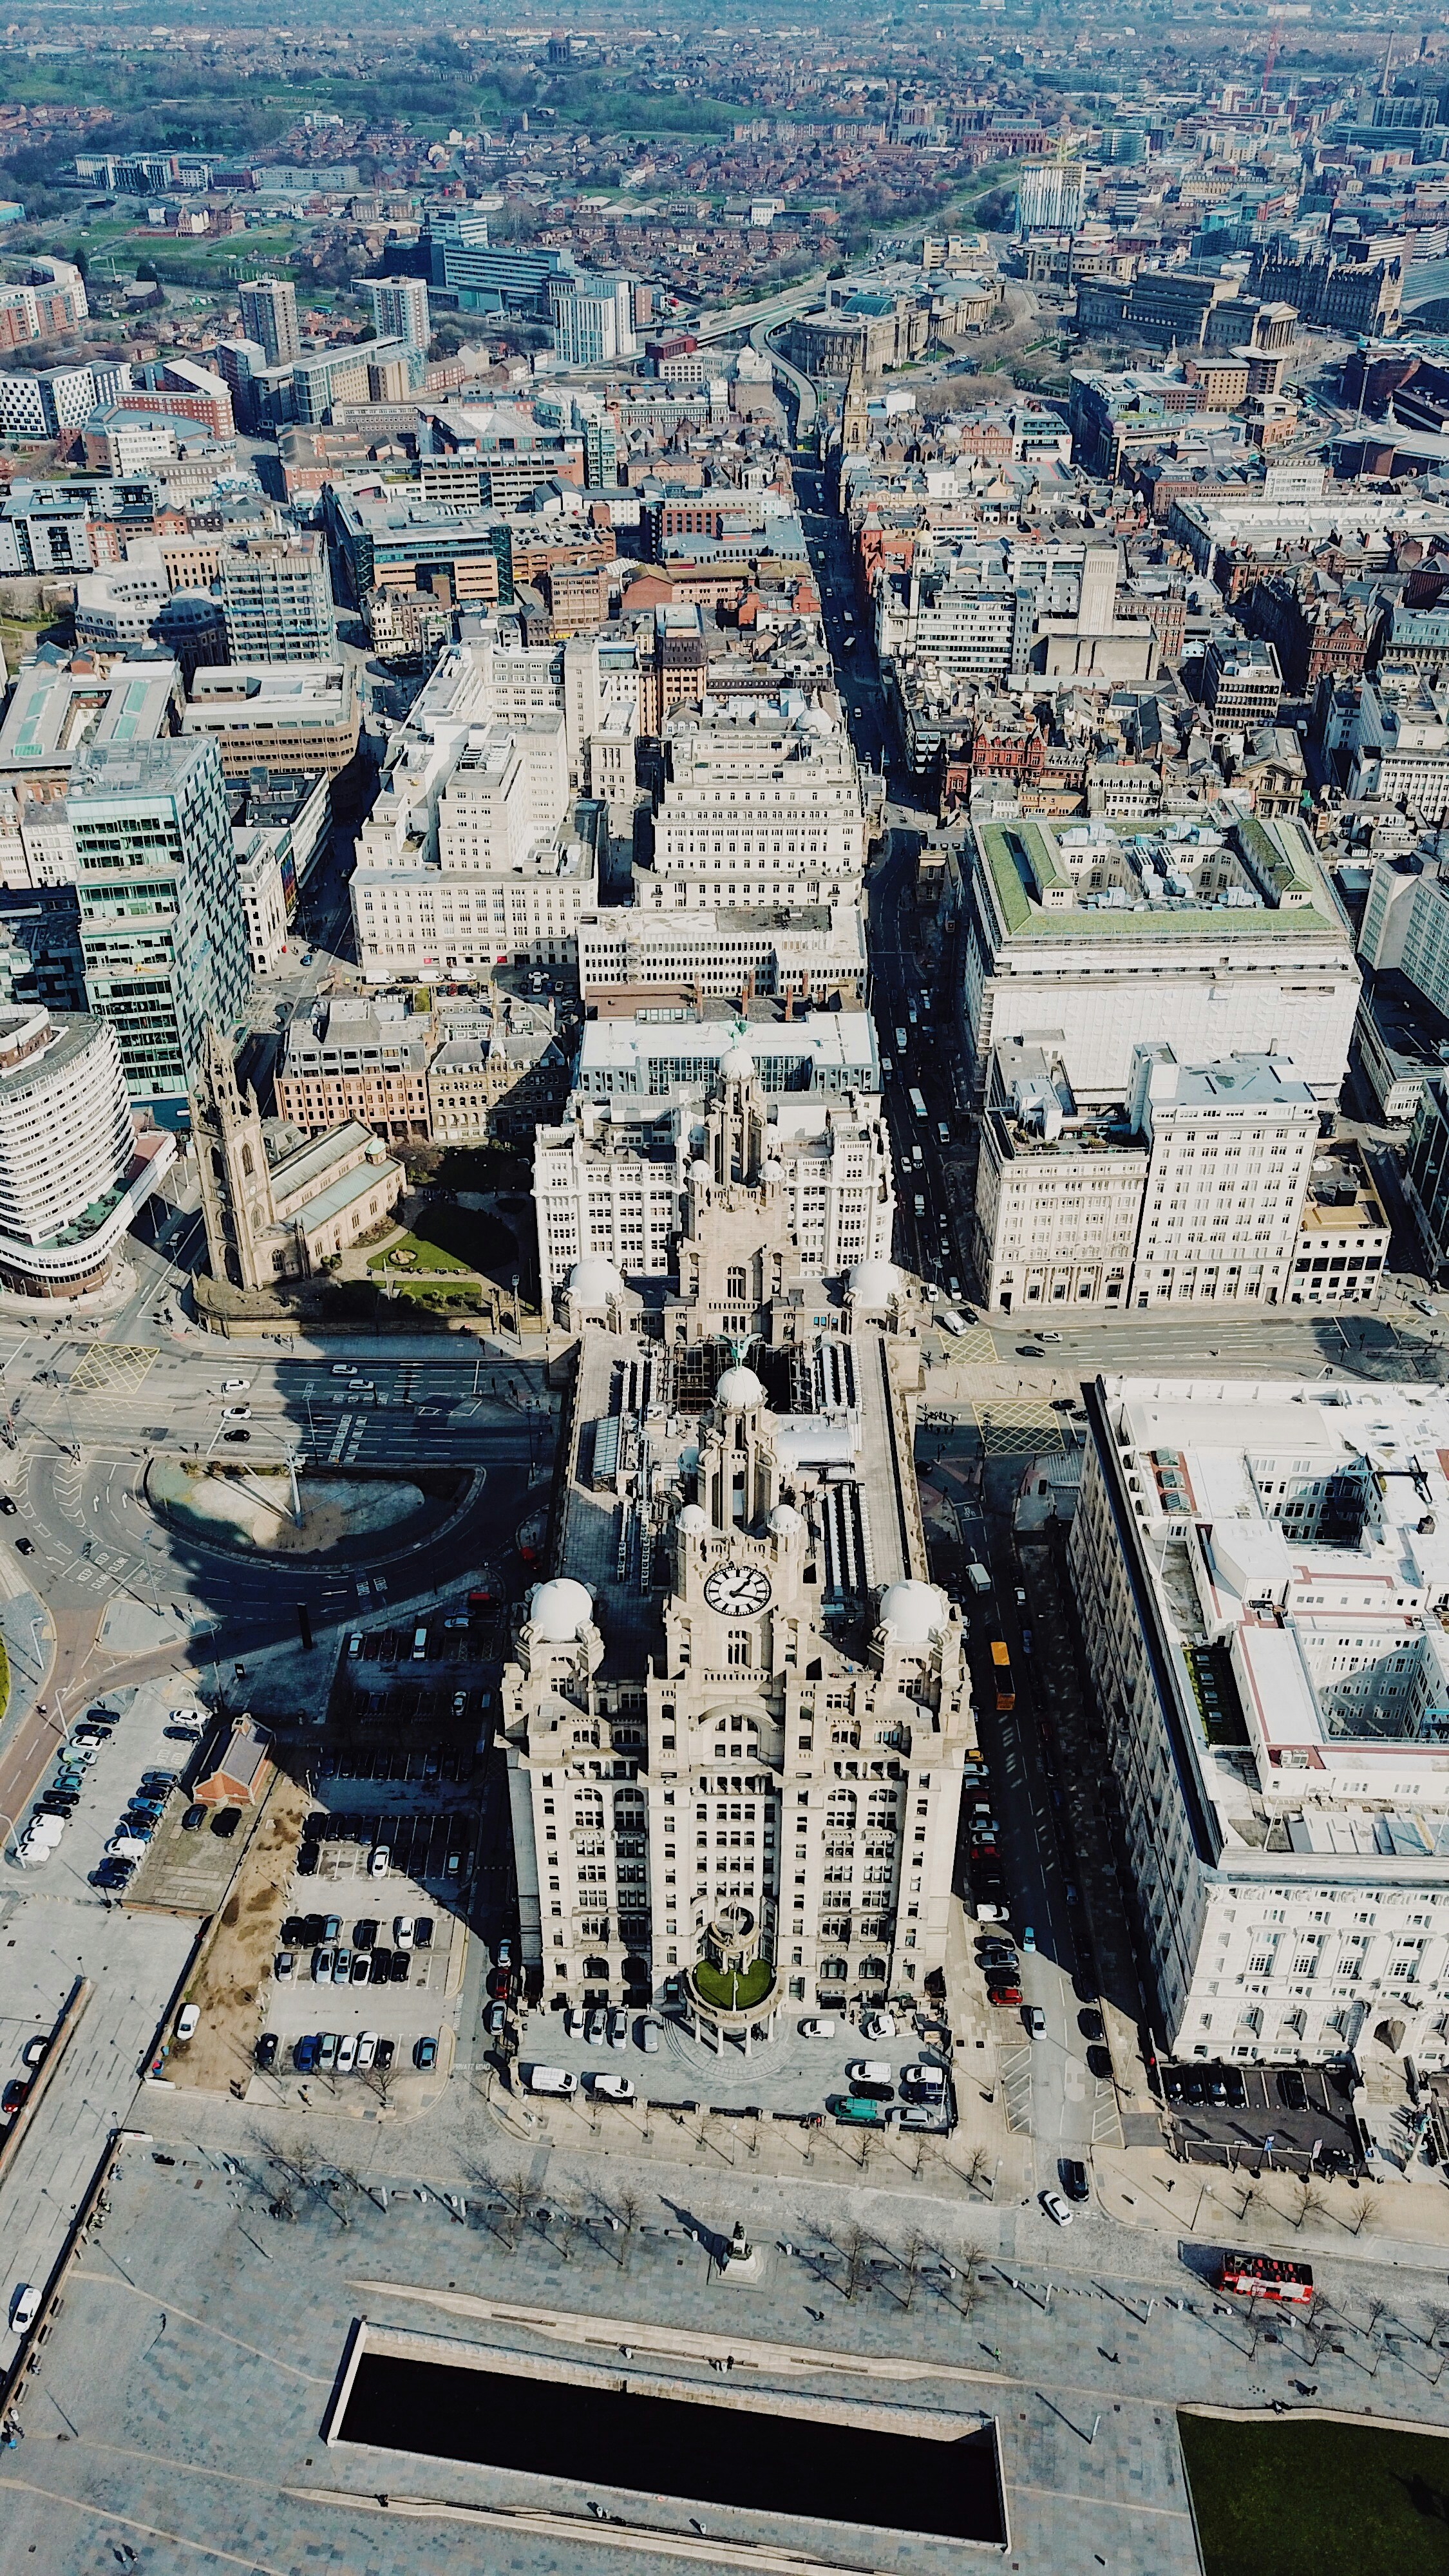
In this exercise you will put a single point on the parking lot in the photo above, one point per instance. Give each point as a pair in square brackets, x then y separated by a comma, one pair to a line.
[131, 1739]
[791, 2075]
[1230, 2114]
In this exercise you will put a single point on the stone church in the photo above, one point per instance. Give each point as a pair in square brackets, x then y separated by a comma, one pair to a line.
[276, 1209]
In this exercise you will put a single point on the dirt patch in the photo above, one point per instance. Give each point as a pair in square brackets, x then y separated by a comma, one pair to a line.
[233, 1981]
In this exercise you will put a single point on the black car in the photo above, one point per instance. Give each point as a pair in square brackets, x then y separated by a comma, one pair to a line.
[423, 1932]
[266, 2050]
[193, 1820]
[113, 1873]
[381, 1967]
[386, 2052]
[314, 1929]
[293, 1934]
[398, 1970]
[7, 1504]
[1292, 2091]
[226, 1822]
[1099, 2063]
[1074, 2177]
[25, 1546]
[365, 1933]
[307, 1861]
[236, 1435]
[57, 1802]
[863, 2090]
[1091, 2024]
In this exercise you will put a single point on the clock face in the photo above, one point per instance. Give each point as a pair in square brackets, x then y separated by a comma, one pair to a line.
[740, 1590]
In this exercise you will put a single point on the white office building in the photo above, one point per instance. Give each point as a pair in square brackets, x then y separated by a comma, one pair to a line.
[812, 951]
[1215, 942]
[400, 309]
[73, 1172]
[612, 1180]
[1260, 1570]
[761, 804]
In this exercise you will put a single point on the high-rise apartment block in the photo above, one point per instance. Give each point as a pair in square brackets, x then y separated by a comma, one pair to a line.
[760, 1766]
[400, 309]
[162, 925]
[276, 597]
[269, 316]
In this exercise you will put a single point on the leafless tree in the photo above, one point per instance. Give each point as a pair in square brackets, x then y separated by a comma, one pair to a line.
[1438, 2328]
[1308, 2198]
[518, 2199]
[1368, 2213]
[628, 2208]
[915, 2248]
[852, 2245]
[978, 2166]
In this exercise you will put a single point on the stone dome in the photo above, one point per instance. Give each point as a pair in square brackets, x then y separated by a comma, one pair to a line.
[701, 1175]
[784, 1521]
[737, 1065]
[774, 1174]
[595, 1280]
[693, 1520]
[561, 1610]
[913, 1612]
[874, 1284]
[739, 1389]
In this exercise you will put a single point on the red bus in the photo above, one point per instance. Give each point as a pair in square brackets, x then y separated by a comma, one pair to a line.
[1262, 2276]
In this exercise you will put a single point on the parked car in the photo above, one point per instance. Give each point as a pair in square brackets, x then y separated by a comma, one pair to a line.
[285, 1966]
[649, 2036]
[613, 2088]
[379, 1861]
[815, 2028]
[1074, 2177]
[423, 1932]
[188, 2021]
[193, 1820]
[381, 1965]
[328, 2043]
[494, 2019]
[13, 2095]
[240, 1438]
[858, 2109]
[1035, 2021]
[322, 1966]
[398, 1967]
[347, 2052]
[386, 2052]
[341, 1966]
[1056, 2208]
[304, 2055]
[366, 2050]
[361, 1967]
[403, 1932]
[596, 2029]
[425, 2053]
[877, 2025]
[618, 2029]
[266, 2051]
[225, 1822]
[24, 2307]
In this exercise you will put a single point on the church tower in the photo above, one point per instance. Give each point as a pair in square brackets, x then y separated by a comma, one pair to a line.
[236, 1191]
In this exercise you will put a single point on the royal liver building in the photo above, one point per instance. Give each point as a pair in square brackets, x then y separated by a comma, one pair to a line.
[737, 1711]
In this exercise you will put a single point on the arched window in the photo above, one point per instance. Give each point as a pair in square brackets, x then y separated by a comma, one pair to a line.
[248, 1166]
[872, 1972]
[596, 1967]
[834, 1971]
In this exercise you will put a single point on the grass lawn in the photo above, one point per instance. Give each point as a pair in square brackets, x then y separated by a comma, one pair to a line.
[1286, 2499]
[417, 1256]
[735, 1994]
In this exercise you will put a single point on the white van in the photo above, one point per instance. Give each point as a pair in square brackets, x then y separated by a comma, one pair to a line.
[420, 1645]
[952, 1320]
[551, 2079]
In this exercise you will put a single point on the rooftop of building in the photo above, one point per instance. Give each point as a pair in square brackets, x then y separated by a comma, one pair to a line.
[848, 1426]
[1033, 875]
[55, 711]
[240, 689]
[825, 1041]
[1296, 1538]
[1413, 1035]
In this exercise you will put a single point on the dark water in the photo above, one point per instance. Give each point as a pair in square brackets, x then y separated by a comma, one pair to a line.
[766, 2462]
